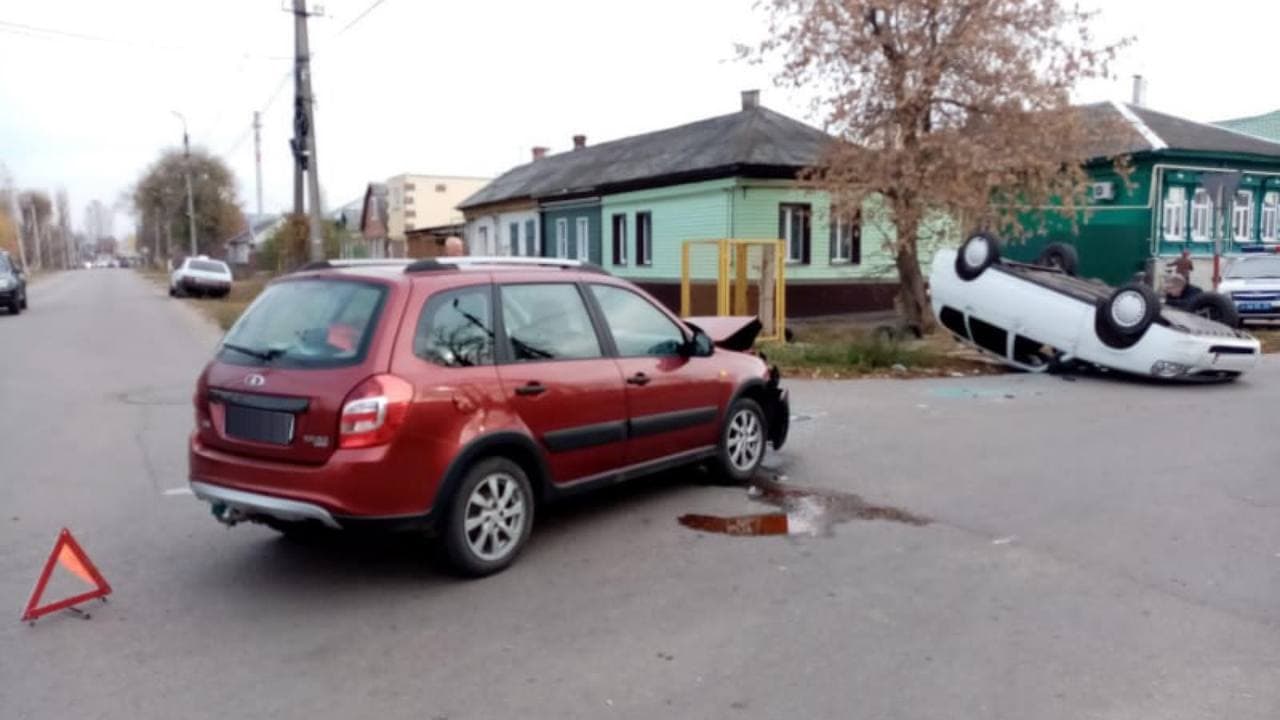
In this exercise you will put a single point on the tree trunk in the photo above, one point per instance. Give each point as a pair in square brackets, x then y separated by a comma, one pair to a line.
[912, 298]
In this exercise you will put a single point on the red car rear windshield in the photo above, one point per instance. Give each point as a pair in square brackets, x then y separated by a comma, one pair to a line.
[318, 323]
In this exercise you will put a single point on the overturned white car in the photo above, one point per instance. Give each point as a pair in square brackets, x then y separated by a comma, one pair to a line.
[1037, 317]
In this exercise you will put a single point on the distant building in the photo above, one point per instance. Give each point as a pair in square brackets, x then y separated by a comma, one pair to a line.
[372, 241]
[346, 221]
[1265, 126]
[242, 246]
[411, 203]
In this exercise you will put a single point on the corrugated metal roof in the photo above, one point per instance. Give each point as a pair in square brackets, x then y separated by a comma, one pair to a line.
[752, 137]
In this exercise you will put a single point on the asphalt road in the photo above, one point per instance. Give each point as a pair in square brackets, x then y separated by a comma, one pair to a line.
[1099, 549]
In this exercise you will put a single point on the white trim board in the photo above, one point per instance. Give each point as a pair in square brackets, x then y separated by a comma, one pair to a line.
[1147, 133]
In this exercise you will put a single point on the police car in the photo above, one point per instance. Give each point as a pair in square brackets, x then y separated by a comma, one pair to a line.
[1253, 284]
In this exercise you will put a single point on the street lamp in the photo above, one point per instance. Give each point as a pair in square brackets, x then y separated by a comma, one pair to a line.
[186, 171]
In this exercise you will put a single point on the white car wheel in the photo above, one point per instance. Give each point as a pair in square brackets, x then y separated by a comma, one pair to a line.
[1123, 319]
[1128, 309]
[977, 254]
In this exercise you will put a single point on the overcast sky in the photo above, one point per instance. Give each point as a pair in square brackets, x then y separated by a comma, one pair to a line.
[467, 87]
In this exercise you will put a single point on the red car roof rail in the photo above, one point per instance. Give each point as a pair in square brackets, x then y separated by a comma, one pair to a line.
[353, 262]
[454, 263]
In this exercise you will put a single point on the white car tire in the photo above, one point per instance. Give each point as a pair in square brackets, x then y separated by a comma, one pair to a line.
[1060, 256]
[977, 254]
[1124, 317]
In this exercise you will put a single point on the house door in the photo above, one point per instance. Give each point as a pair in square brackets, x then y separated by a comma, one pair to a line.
[584, 239]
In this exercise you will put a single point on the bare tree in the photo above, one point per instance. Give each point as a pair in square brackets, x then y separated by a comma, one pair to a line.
[63, 204]
[9, 216]
[948, 111]
[36, 210]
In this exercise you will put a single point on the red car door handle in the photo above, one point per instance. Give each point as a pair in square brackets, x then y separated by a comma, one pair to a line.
[638, 379]
[533, 387]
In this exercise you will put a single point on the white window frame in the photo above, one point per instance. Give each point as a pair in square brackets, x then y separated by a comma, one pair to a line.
[1202, 212]
[619, 244]
[1242, 216]
[562, 237]
[482, 241]
[513, 237]
[844, 241]
[531, 238]
[787, 209]
[584, 238]
[644, 239]
[1270, 229]
[1175, 215]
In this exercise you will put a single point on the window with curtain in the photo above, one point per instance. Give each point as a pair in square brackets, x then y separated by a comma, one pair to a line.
[1174, 220]
[1242, 216]
[846, 239]
[1270, 208]
[794, 228]
[1201, 216]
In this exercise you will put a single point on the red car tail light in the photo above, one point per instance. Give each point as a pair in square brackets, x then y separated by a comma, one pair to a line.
[374, 411]
[203, 421]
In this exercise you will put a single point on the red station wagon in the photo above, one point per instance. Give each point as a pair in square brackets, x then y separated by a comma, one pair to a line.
[396, 394]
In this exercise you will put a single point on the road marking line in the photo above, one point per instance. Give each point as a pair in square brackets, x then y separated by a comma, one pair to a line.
[178, 491]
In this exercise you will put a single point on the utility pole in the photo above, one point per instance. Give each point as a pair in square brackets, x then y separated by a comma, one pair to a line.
[304, 124]
[298, 144]
[186, 171]
[257, 157]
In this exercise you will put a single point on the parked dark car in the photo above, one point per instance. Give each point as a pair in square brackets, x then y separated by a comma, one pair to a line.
[13, 285]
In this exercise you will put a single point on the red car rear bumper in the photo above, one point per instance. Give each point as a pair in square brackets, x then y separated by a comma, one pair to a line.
[352, 485]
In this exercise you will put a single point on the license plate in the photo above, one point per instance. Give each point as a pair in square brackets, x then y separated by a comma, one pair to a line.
[1254, 306]
[263, 426]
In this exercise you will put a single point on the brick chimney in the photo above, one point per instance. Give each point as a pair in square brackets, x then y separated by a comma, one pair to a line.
[750, 99]
[579, 142]
[539, 152]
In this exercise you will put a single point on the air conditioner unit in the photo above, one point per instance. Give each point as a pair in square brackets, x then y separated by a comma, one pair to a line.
[1102, 191]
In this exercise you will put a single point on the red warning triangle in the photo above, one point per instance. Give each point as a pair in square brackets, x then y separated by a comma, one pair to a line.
[67, 553]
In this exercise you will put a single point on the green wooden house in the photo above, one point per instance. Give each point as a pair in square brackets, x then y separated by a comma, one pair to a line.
[629, 205]
[1139, 224]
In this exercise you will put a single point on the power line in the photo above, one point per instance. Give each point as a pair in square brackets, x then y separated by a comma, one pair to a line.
[284, 81]
[49, 33]
[359, 17]
[280, 86]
